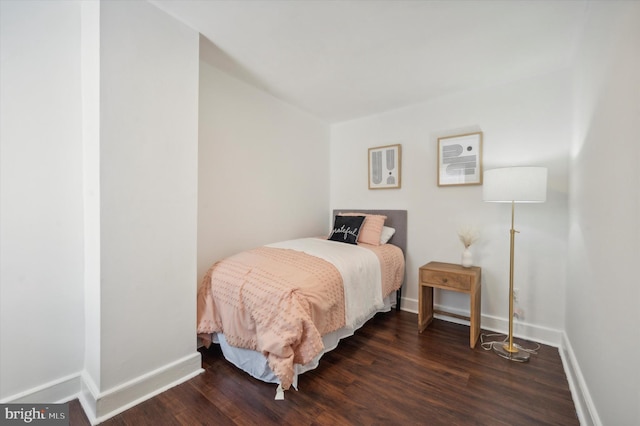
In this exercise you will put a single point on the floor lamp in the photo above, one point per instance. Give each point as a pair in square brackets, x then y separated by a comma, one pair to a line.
[514, 185]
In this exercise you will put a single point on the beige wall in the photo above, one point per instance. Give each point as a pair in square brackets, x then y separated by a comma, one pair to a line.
[41, 224]
[525, 122]
[263, 168]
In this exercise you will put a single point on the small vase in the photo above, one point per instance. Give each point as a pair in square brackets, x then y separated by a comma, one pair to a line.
[467, 258]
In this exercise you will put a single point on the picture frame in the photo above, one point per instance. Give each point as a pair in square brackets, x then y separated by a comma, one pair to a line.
[460, 160]
[385, 167]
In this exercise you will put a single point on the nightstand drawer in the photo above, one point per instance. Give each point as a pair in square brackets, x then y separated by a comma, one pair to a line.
[447, 279]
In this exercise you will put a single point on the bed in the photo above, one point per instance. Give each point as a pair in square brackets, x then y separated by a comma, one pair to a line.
[275, 310]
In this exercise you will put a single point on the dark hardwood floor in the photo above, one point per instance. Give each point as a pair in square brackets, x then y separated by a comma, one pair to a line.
[386, 373]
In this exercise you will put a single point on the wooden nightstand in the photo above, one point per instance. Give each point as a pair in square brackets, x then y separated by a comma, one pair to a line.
[447, 276]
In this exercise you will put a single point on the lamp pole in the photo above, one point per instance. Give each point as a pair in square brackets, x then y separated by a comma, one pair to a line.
[509, 347]
[514, 185]
[508, 350]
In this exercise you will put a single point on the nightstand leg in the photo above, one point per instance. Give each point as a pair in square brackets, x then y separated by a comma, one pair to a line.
[474, 315]
[425, 307]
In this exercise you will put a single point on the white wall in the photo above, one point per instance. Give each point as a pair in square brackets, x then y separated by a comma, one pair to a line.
[99, 198]
[148, 194]
[90, 71]
[41, 252]
[524, 123]
[603, 293]
[263, 168]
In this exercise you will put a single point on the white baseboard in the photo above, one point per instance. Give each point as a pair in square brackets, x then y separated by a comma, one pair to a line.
[585, 408]
[100, 406]
[57, 391]
[104, 405]
[536, 333]
[524, 330]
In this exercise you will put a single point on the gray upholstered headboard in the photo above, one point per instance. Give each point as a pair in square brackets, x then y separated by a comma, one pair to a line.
[395, 218]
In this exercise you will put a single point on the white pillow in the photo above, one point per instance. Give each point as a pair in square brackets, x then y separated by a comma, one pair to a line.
[387, 233]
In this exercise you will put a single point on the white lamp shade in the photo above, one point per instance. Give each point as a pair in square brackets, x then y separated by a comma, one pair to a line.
[517, 184]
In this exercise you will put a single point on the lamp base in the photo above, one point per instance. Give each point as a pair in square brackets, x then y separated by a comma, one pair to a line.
[512, 354]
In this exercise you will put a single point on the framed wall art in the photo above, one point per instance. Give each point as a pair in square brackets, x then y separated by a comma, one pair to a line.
[385, 167]
[460, 160]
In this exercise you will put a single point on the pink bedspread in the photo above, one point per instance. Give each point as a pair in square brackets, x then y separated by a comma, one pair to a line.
[281, 302]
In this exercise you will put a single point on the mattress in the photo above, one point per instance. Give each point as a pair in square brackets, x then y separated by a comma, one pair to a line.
[285, 301]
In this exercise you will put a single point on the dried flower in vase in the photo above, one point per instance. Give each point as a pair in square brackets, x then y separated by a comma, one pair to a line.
[468, 236]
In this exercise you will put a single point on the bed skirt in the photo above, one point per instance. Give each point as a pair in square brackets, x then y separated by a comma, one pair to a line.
[255, 364]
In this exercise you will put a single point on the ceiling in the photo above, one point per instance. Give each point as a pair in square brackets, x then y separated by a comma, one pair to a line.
[341, 60]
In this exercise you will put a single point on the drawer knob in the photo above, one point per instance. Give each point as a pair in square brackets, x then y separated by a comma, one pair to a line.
[444, 280]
